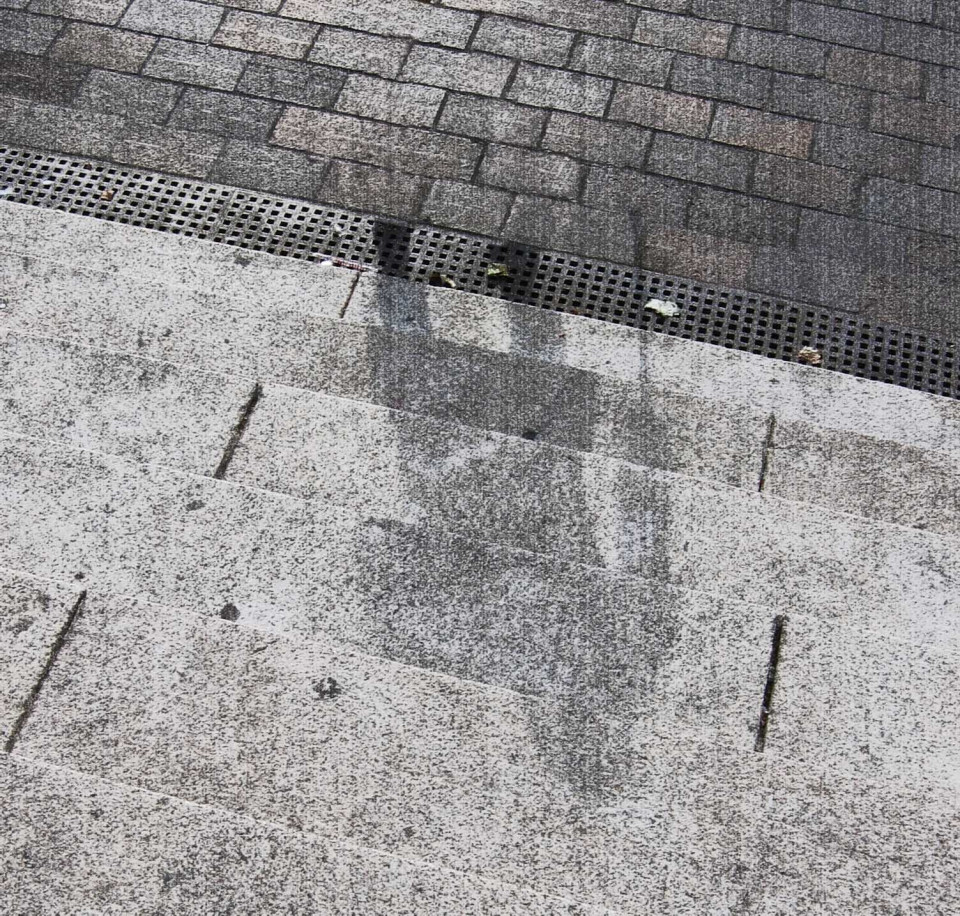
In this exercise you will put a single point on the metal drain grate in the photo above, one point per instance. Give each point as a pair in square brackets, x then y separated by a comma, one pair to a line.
[609, 292]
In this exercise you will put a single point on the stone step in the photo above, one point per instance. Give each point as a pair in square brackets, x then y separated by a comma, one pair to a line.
[73, 844]
[551, 403]
[684, 651]
[356, 749]
[648, 398]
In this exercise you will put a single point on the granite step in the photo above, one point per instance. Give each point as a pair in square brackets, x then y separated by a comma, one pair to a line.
[70, 844]
[837, 441]
[412, 763]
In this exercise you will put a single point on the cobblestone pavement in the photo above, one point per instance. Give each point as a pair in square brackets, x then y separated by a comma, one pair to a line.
[806, 150]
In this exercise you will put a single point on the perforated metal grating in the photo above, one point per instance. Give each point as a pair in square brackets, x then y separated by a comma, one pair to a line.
[609, 292]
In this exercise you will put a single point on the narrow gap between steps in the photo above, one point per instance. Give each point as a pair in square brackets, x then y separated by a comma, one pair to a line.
[238, 432]
[776, 642]
[31, 699]
[767, 449]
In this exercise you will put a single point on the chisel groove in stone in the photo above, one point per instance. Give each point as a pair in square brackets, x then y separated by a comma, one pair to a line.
[31, 699]
[238, 432]
[777, 641]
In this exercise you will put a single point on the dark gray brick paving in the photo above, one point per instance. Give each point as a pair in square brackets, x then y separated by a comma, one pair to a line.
[102, 46]
[808, 148]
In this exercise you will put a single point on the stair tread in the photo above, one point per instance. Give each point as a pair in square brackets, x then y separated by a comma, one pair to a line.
[521, 790]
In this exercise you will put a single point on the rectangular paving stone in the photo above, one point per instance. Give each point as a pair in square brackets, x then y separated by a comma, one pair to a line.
[758, 130]
[255, 165]
[224, 115]
[806, 183]
[184, 19]
[820, 101]
[363, 187]
[595, 17]
[560, 89]
[492, 119]
[900, 204]
[99, 46]
[524, 40]
[683, 33]
[275, 868]
[439, 156]
[387, 100]
[107, 12]
[914, 120]
[720, 79]
[195, 64]
[943, 85]
[266, 34]
[291, 81]
[391, 18]
[940, 168]
[584, 230]
[880, 72]
[622, 60]
[695, 254]
[864, 151]
[128, 96]
[655, 201]
[180, 151]
[809, 278]
[39, 80]
[779, 52]
[921, 42]
[27, 33]
[468, 71]
[597, 141]
[838, 26]
[741, 217]
[762, 14]
[661, 109]
[32, 614]
[139, 408]
[701, 161]
[466, 206]
[530, 172]
[358, 51]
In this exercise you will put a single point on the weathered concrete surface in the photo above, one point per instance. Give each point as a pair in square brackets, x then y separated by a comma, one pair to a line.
[32, 613]
[49, 245]
[865, 476]
[72, 843]
[471, 777]
[113, 402]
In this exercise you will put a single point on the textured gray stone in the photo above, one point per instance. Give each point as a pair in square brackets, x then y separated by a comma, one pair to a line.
[474, 778]
[513, 38]
[32, 614]
[128, 96]
[492, 119]
[184, 19]
[110, 402]
[266, 34]
[27, 33]
[484, 74]
[684, 33]
[684, 114]
[103, 47]
[291, 81]
[387, 100]
[762, 131]
[530, 171]
[198, 65]
[593, 139]
[88, 836]
[359, 51]
[224, 114]
[560, 89]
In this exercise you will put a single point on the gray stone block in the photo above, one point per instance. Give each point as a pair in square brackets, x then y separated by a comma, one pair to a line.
[32, 614]
[107, 12]
[768, 133]
[359, 51]
[863, 151]
[683, 33]
[267, 168]
[530, 171]
[99, 46]
[195, 64]
[839, 26]
[779, 52]
[594, 140]
[266, 34]
[184, 19]
[817, 100]
[720, 79]
[387, 100]
[125, 405]
[683, 114]
[364, 187]
[656, 201]
[546, 87]
[806, 183]
[87, 836]
[524, 40]
[686, 253]
[922, 121]
[749, 219]
[698, 160]
[336, 135]
[27, 33]
[465, 206]
[622, 60]
[880, 72]
[492, 119]
[291, 81]
[391, 18]
[224, 115]
[922, 42]
[466, 71]
[38, 79]
[128, 96]
[587, 16]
